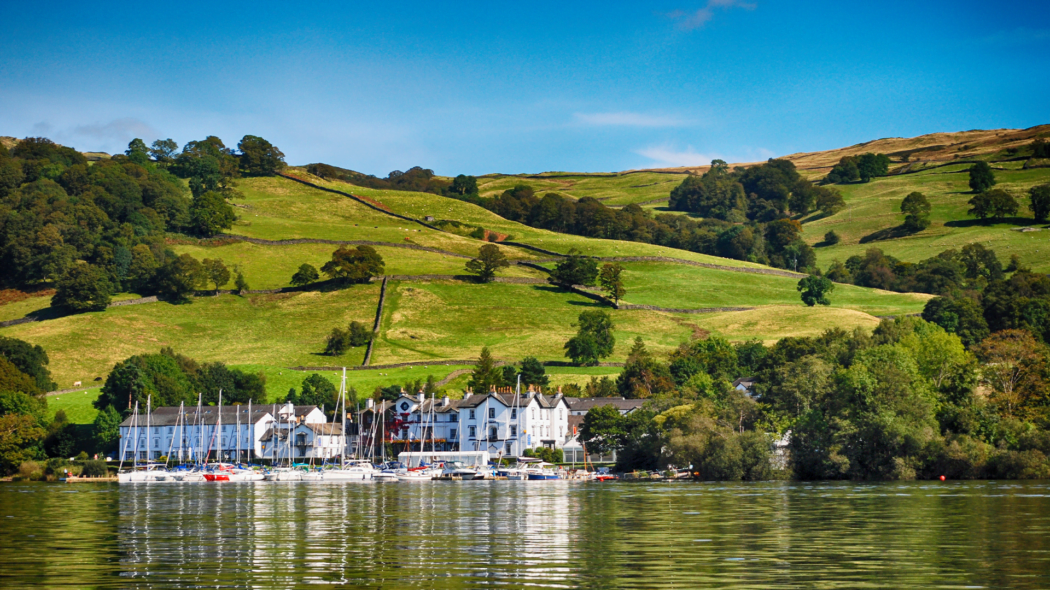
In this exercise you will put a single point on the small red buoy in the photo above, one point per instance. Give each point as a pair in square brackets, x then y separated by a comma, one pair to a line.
[942, 478]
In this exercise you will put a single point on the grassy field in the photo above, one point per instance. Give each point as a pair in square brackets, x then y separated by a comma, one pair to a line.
[771, 323]
[688, 287]
[613, 190]
[419, 205]
[271, 267]
[76, 404]
[278, 330]
[875, 206]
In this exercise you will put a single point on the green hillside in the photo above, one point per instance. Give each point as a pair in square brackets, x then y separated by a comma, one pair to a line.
[613, 190]
[875, 206]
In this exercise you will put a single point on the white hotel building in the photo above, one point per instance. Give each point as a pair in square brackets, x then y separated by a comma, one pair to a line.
[500, 423]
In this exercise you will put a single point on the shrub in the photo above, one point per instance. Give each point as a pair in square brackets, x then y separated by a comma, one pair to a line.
[831, 238]
[29, 471]
[95, 468]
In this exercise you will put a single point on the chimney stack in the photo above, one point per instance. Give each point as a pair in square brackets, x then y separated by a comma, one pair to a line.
[445, 402]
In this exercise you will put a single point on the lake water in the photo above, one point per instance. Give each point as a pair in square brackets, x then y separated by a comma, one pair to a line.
[526, 535]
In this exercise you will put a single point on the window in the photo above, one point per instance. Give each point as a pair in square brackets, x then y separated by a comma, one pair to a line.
[561, 414]
[156, 443]
[492, 413]
[472, 414]
[493, 433]
[471, 432]
[533, 413]
[455, 434]
[513, 431]
[453, 417]
[513, 413]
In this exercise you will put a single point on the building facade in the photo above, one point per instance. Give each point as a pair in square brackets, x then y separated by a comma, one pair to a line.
[196, 435]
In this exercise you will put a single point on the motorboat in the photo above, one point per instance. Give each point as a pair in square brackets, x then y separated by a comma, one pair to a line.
[421, 473]
[149, 473]
[457, 470]
[283, 474]
[542, 471]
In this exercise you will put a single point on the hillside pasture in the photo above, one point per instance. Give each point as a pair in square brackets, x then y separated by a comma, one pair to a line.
[280, 330]
[874, 207]
[611, 189]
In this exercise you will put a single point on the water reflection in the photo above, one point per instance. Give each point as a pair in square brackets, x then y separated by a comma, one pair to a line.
[527, 534]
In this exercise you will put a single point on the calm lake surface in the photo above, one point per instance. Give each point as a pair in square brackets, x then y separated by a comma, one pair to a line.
[526, 534]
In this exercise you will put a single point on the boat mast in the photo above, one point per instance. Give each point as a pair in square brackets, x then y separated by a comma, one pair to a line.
[251, 432]
[171, 443]
[238, 409]
[149, 400]
[218, 427]
[342, 450]
[200, 429]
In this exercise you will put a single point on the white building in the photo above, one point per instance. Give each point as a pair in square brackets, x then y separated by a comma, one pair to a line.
[191, 436]
[500, 423]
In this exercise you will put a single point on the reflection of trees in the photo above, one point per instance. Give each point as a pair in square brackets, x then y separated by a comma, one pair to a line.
[557, 534]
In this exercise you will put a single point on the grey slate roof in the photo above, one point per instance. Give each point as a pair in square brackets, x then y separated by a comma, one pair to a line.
[168, 415]
[586, 404]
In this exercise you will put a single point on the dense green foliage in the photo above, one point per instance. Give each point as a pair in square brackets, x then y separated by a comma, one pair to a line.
[594, 338]
[82, 288]
[916, 208]
[951, 270]
[99, 229]
[902, 403]
[354, 265]
[574, 269]
[486, 375]
[981, 177]
[611, 282]
[305, 275]
[170, 378]
[814, 290]
[339, 341]
[416, 179]
[1039, 201]
[315, 391]
[995, 204]
[24, 427]
[863, 168]
[490, 259]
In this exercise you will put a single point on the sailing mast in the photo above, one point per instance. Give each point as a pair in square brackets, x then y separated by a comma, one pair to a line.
[251, 432]
[342, 396]
[171, 444]
[218, 428]
[149, 400]
[200, 430]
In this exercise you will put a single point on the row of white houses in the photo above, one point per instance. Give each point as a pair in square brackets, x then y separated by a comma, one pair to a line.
[504, 424]
[246, 433]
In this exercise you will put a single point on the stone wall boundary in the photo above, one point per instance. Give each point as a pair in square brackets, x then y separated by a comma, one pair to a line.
[361, 200]
[375, 325]
[262, 242]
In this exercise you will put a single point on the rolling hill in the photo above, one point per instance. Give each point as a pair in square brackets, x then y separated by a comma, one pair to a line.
[430, 317]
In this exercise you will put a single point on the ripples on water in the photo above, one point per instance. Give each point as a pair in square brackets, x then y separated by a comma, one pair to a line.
[527, 534]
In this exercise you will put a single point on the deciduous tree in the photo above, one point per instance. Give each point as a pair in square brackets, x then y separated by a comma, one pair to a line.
[981, 177]
[490, 259]
[916, 209]
[210, 214]
[216, 272]
[594, 338]
[815, 290]
[995, 204]
[83, 288]
[354, 265]
[574, 269]
[1039, 197]
[305, 275]
[612, 283]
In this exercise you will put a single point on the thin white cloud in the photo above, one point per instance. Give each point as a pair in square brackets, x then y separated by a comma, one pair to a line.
[696, 19]
[667, 157]
[628, 119]
[1018, 36]
[124, 129]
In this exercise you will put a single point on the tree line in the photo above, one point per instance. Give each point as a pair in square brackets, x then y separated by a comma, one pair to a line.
[908, 401]
[93, 230]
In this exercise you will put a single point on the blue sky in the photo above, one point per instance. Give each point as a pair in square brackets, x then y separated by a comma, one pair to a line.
[494, 87]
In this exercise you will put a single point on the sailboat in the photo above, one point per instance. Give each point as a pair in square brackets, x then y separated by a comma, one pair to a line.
[423, 472]
[150, 472]
[285, 473]
[352, 470]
